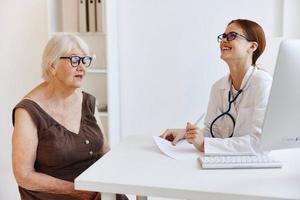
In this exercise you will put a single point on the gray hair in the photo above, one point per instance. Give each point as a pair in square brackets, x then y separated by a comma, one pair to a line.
[59, 45]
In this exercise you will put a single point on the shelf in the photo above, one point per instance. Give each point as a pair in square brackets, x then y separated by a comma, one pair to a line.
[81, 33]
[103, 114]
[97, 71]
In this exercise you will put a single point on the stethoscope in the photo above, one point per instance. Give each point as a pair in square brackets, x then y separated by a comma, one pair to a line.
[230, 101]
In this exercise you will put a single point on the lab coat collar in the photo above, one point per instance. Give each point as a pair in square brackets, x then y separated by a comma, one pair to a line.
[225, 83]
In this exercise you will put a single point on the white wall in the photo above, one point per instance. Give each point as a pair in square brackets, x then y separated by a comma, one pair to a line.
[168, 60]
[22, 38]
[291, 16]
[169, 56]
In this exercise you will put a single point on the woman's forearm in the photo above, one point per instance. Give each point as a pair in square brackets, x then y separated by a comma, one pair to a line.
[40, 182]
[36, 181]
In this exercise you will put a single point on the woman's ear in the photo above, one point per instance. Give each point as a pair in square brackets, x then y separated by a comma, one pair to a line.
[52, 68]
[253, 47]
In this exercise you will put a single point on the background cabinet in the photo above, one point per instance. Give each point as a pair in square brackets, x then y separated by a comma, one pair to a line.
[66, 16]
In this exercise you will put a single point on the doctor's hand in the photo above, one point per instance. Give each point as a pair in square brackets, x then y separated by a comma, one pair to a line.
[173, 135]
[194, 136]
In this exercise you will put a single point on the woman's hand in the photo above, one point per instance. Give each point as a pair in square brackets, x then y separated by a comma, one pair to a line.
[194, 136]
[173, 135]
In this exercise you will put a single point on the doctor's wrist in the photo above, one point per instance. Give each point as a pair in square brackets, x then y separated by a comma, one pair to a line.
[200, 145]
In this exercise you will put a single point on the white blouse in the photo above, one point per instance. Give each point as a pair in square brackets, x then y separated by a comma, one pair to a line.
[248, 111]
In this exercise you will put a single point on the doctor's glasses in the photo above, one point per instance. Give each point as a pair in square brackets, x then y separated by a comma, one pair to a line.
[230, 36]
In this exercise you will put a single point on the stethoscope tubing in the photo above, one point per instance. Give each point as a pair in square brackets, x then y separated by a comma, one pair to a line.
[226, 113]
[229, 108]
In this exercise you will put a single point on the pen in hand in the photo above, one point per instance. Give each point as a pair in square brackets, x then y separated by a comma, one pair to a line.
[197, 121]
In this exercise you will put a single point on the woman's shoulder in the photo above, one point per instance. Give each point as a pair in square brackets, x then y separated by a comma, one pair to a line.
[89, 101]
[88, 96]
[29, 101]
[221, 83]
[262, 76]
[27, 107]
[36, 93]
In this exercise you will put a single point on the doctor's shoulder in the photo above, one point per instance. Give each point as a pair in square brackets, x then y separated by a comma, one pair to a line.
[221, 83]
[262, 77]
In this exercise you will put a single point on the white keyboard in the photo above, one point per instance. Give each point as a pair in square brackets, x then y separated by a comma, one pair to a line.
[229, 162]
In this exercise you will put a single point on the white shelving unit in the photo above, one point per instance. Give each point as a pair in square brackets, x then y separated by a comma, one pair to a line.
[102, 78]
[97, 71]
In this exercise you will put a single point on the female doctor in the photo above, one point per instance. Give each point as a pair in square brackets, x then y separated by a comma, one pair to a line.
[237, 101]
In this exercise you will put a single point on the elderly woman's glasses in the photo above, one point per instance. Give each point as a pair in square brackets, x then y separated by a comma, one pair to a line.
[75, 60]
[230, 36]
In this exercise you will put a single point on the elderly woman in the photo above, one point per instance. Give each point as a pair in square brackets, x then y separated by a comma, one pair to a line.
[57, 134]
[237, 101]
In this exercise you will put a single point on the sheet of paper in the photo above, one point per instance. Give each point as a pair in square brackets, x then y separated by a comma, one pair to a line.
[181, 151]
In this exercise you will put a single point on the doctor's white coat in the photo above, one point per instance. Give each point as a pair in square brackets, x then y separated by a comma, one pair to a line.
[248, 111]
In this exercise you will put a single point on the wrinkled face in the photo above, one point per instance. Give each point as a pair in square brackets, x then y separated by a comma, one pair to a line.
[66, 74]
[235, 49]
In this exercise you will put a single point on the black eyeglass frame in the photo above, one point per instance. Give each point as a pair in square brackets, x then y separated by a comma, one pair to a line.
[80, 59]
[232, 34]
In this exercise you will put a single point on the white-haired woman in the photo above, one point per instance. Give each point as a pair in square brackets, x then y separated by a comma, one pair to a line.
[57, 134]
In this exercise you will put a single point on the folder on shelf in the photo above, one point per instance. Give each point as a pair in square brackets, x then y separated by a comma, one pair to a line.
[69, 16]
[92, 15]
[99, 15]
[82, 16]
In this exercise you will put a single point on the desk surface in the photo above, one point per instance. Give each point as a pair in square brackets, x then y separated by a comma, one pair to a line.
[137, 166]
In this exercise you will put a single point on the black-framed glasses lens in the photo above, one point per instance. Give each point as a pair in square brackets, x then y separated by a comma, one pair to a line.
[229, 37]
[87, 60]
[75, 61]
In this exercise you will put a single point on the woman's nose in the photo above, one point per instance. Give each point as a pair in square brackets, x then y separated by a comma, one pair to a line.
[81, 66]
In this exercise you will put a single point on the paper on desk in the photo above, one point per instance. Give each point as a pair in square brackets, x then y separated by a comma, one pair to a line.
[181, 151]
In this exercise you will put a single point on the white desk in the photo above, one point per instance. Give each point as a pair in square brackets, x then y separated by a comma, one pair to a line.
[137, 166]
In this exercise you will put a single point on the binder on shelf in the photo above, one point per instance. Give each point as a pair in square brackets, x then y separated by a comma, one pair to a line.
[82, 15]
[92, 15]
[99, 15]
[102, 108]
[69, 16]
